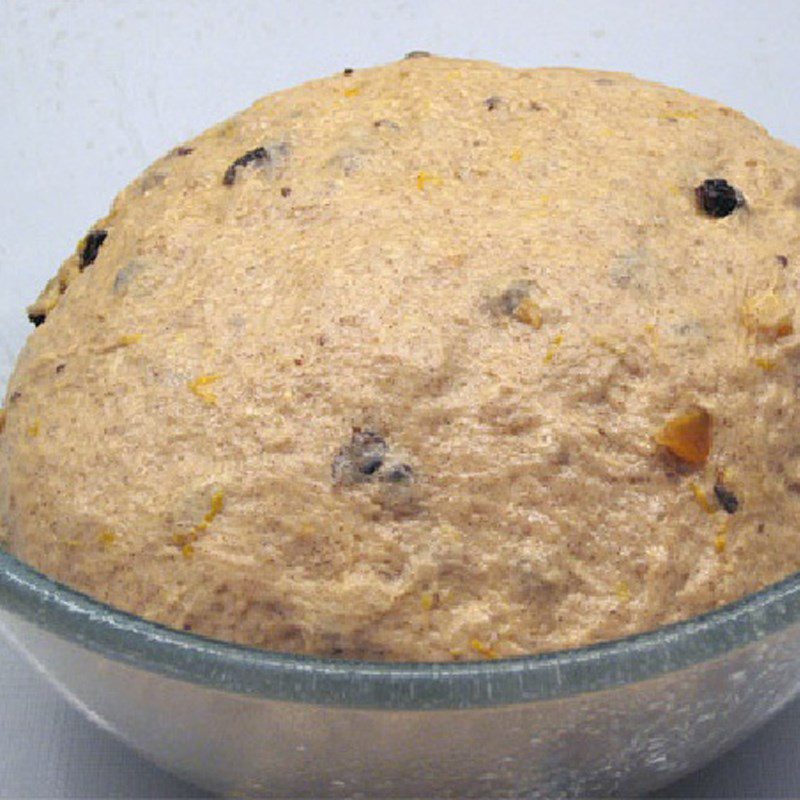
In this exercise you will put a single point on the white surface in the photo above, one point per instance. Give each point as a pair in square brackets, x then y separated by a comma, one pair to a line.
[92, 91]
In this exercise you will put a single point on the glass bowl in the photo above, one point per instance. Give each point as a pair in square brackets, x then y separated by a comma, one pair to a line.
[617, 718]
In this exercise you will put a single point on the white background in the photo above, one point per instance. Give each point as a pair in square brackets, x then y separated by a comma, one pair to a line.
[91, 91]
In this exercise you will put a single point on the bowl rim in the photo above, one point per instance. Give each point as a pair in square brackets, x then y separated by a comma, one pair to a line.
[50, 606]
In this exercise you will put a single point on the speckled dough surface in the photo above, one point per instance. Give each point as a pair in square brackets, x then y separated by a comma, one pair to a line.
[435, 360]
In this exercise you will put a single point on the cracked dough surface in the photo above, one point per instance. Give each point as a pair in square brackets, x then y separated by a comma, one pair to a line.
[395, 390]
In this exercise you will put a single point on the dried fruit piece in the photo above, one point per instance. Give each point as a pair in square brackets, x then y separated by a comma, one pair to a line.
[258, 156]
[199, 387]
[358, 461]
[130, 338]
[493, 102]
[398, 473]
[107, 538]
[428, 601]
[424, 178]
[688, 436]
[479, 647]
[185, 540]
[721, 539]
[701, 497]
[529, 312]
[767, 364]
[127, 275]
[768, 314]
[255, 156]
[718, 198]
[90, 247]
[726, 498]
[516, 302]
[37, 319]
[514, 295]
[365, 459]
[217, 504]
[555, 344]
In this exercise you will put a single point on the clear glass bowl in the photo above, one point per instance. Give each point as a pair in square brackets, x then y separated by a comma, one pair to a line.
[617, 718]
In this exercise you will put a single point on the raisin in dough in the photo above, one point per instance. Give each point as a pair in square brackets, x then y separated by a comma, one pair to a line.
[438, 360]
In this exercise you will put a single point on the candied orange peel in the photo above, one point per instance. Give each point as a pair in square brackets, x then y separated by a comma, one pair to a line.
[107, 538]
[186, 540]
[769, 315]
[199, 387]
[129, 339]
[767, 364]
[688, 436]
[424, 178]
[528, 312]
[479, 647]
[555, 344]
[721, 539]
[702, 498]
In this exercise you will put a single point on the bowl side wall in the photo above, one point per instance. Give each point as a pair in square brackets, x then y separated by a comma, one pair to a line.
[622, 740]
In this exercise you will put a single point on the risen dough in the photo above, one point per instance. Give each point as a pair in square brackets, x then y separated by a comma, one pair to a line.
[429, 361]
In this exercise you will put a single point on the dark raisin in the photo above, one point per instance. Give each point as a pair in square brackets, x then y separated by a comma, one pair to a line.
[60, 368]
[187, 626]
[14, 397]
[398, 473]
[359, 460]
[182, 151]
[371, 467]
[126, 275]
[256, 156]
[726, 498]
[37, 319]
[493, 102]
[348, 70]
[718, 198]
[91, 247]
[782, 260]
[417, 54]
[511, 298]
[286, 191]
[386, 123]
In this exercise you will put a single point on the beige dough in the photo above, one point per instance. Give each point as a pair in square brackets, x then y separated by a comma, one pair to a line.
[453, 365]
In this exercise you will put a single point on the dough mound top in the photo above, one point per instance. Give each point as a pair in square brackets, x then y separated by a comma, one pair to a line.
[437, 360]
